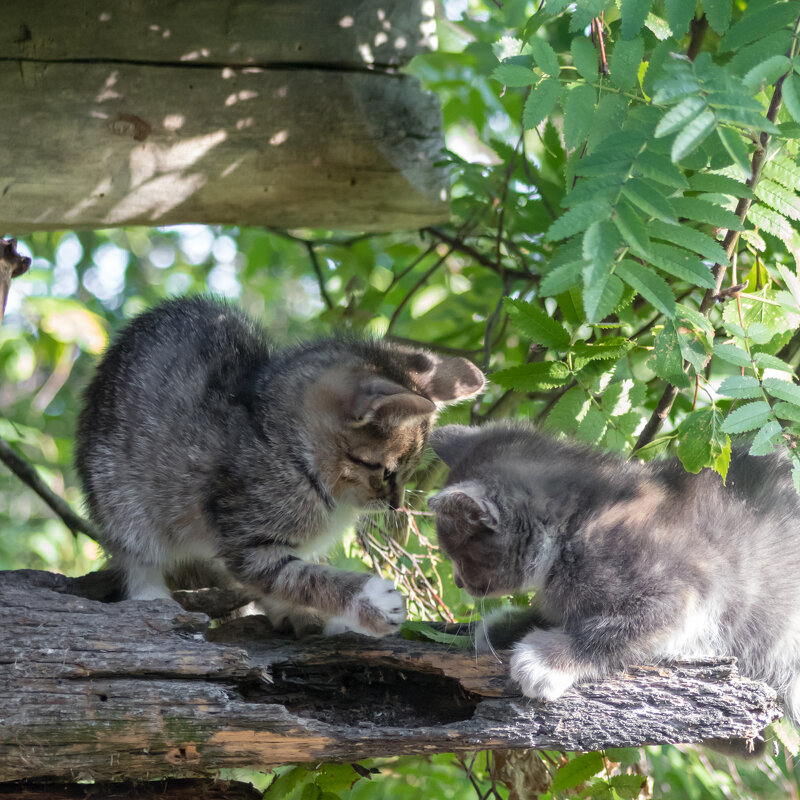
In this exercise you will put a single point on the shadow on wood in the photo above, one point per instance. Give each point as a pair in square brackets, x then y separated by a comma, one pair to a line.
[145, 690]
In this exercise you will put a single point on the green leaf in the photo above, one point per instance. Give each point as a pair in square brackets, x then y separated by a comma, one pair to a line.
[757, 24]
[659, 168]
[577, 219]
[632, 228]
[775, 196]
[788, 736]
[585, 58]
[544, 56]
[691, 239]
[732, 354]
[578, 113]
[283, 785]
[767, 361]
[601, 290]
[561, 278]
[747, 417]
[736, 149]
[766, 439]
[625, 60]
[698, 210]
[610, 116]
[784, 171]
[679, 13]
[633, 13]
[514, 75]
[534, 323]
[786, 411]
[564, 416]
[679, 116]
[710, 182]
[718, 13]
[693, 135]
[783, 390]
[653, 288]
[611, 349]
[576, 771]
[791, 96]
[772, 222]
[741, 387]
[592, 427]
[532, 377]
[682, 264]
[540, 102]
[419, 629]
[649, 198]
[701, 439]
[667, 361]
[767, 72]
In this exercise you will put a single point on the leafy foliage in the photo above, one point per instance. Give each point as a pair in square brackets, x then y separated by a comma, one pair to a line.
[625, 200]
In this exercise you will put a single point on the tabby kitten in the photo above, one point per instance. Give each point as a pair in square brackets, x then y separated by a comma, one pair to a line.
[199, 442]
[630, 562]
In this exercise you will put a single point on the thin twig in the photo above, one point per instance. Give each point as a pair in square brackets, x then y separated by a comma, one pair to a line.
[485, 261]
[318, 272]
[27, 474]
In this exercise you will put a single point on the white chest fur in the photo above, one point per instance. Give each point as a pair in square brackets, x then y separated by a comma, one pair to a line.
[342, 518]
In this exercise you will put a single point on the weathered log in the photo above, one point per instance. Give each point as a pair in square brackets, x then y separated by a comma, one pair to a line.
[245, 113]
[175, 789]
[143, 690]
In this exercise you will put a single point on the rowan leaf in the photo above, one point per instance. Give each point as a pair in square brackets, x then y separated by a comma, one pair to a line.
[577, 219]
[585, 58]
[682, 264]
[537, 325]
[783, 390]
[540, 102]
[732, 354]
[693, 135]
[740, 387]
[766, 439]
[532, 377]
[653, 288]
[747, 417]
[515, 75]
[578, 113]
[544, 56]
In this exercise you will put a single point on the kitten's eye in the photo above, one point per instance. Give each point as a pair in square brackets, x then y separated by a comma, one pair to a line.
[366, 464]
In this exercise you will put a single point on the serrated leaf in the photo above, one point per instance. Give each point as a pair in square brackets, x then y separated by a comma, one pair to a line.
[592, 427]
[791, 96]
[675, 87]
[784, 171]
[766, 439]
[718, 13]
[696, 320]
[514, 75]
[740, 387]
[733, 143]
[625, 60]
[679, 14]
[679, 116]
[747, 417]
[659, 168]
[788, 736]
[601, 290]
[682, 264]
[577, 219]
[544, 56]
[689, 238]
[564, 415]
[761, 22]
[578, 113]
[540, 102]
[633, 13]
[604, 350]
[609, 116]
[532, 377]
[576, 771]
[782, 200]
[767, 361]
[701, 439]
[632, 228]
[667, 361]
[652, 287]
[783, 390]
[732, 354]
[585, 58]
[772, 222]
[561, 278]
[693, 135]
[649, 198]
[786, 411]
[722, 184]
[702, 211]
[767, 72]
[535, 324]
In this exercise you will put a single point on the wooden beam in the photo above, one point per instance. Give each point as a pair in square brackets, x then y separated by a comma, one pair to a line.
[245, 113]
[139, 690]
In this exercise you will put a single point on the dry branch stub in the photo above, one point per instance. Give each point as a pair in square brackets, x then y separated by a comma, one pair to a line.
[145, 690]
[282, 114]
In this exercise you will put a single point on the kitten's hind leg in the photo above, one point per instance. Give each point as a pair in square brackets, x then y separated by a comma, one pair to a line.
[145, 582]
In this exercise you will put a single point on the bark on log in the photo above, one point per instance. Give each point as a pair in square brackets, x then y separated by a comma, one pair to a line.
[180, 789]
[246, 113]
[145, 690]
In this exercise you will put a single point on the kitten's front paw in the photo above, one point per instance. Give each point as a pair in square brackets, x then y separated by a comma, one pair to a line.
[533, 669]
[376, 610]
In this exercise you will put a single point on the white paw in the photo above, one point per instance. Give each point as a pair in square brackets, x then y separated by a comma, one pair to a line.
[536, 679]
[375, 611]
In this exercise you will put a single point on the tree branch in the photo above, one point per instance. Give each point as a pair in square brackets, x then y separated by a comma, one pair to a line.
[27, 474]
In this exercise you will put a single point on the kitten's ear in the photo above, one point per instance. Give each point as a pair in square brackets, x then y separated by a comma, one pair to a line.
[467, 504]
[451, 441]
[378, 399]
[443, 380]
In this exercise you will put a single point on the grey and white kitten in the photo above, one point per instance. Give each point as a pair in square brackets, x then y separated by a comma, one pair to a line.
[199, 442]
[630, 562]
